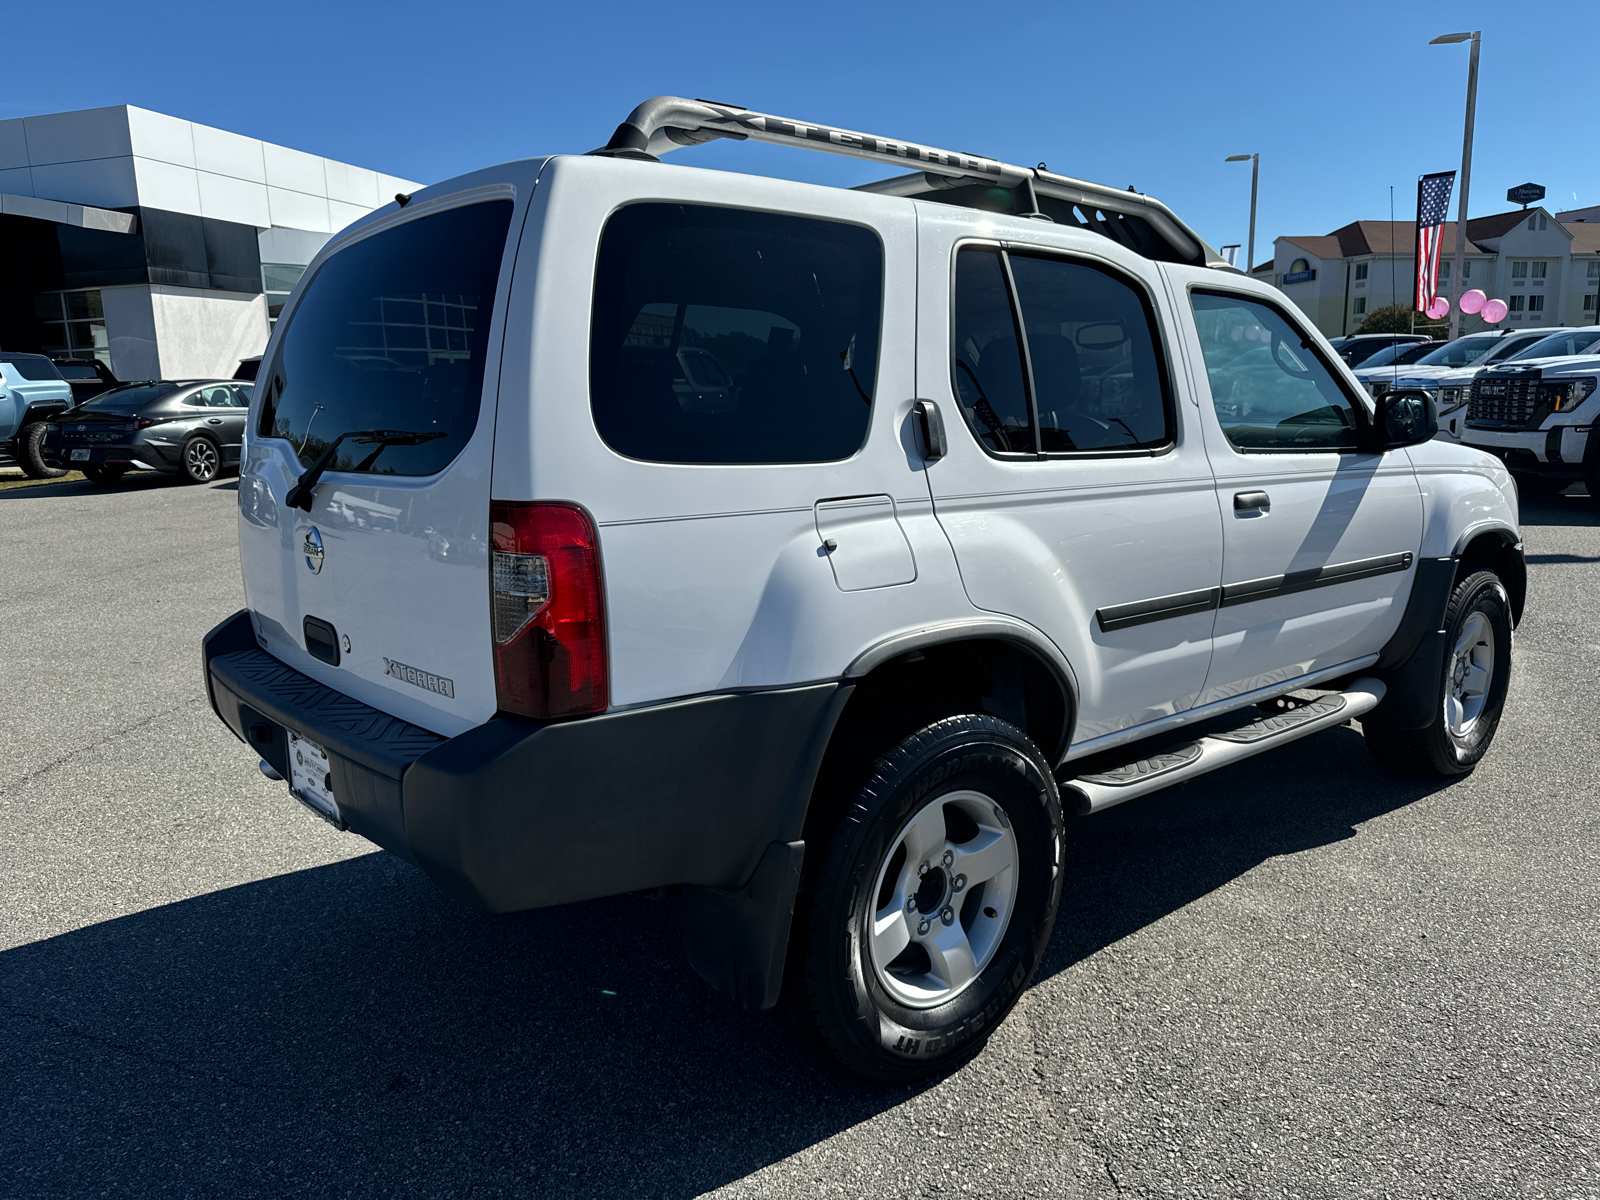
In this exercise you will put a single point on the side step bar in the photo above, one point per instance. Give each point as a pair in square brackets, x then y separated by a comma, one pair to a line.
[1102, 789]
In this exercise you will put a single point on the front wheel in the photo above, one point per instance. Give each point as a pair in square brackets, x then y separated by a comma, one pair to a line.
[30, 453]
[201, 460]
[1469, 693]
[935, 900]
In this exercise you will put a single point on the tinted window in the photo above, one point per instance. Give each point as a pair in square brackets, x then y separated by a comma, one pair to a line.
[987, 366]
[1270, 389]
[1097, 380]
[214, 395]
[1560, 345]
[392, 333]
[724, 336]
[77, 370]
[1458, 353]
[1511, 346]
[31, 366]
[132, 396]
[1357, 353]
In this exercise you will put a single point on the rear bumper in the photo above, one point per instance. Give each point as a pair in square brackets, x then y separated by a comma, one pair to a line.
[515, 814]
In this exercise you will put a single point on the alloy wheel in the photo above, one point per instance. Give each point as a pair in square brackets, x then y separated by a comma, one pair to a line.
[943, 899]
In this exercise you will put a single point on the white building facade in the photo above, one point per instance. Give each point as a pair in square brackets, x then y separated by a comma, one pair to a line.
[161, 247]
[1547, 271]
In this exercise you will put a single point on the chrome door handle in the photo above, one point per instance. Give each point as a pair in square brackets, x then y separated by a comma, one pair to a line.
[213, 420]
[1259, 502]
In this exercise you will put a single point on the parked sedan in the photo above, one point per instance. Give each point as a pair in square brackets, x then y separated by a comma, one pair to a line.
[190, 427]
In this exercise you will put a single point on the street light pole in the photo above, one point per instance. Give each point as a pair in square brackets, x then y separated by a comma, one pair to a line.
[1255, 178]
[1456, 281]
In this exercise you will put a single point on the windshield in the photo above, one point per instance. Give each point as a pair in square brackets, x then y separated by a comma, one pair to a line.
[1459, 352]
[1561, 345]
[132, 395]
[392, 333]
[1405, 352]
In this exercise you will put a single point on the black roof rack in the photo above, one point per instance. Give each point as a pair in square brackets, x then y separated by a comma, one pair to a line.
[1129, 218]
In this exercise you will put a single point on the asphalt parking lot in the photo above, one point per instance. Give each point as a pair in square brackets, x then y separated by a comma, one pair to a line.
[1297, 977]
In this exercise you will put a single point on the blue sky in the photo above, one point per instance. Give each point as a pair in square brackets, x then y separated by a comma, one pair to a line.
[1341, 101]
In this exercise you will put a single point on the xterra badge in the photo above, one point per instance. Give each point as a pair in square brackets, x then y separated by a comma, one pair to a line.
[437, 684]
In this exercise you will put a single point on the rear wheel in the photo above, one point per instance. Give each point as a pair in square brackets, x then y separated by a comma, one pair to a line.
[1539, 485]
[105, 474]
[202, 461]
[1470, 692]
[30, 453]
[928, 915]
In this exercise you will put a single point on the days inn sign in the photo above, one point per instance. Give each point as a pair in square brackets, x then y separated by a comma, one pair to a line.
[1299, 271]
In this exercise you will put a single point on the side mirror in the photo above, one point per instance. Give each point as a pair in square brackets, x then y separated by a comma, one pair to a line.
[1406, 418]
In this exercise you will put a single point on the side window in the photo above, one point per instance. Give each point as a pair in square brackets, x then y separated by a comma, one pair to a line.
[1270, 388]
[987, 365]
[1097, 381]
[727, 336]
[241, 395]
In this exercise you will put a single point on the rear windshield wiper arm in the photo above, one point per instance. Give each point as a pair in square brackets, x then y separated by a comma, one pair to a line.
[300, 494]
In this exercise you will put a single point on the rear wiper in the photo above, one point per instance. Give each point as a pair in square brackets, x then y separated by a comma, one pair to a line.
[300, 494]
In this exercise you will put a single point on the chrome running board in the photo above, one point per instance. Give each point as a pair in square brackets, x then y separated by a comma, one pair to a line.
[1100, 789]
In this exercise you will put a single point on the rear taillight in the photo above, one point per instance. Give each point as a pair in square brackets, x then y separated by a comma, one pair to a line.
[546, 610]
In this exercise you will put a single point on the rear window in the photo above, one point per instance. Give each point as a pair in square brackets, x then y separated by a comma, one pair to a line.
[132, 396]
[31, 366]
[392, 333]
[77, 370]
[726, 336]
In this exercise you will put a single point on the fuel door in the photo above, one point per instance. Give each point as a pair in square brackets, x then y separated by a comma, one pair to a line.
[863, 541]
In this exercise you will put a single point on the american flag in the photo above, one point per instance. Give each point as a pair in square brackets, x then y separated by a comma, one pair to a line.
[1433, 207]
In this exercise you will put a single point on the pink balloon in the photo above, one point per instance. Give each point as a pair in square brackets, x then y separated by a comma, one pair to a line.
[1493, 311]
[1438, 308]
[1473, 301]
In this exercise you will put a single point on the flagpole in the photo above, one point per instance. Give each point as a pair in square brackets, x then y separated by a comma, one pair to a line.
[1466, 176]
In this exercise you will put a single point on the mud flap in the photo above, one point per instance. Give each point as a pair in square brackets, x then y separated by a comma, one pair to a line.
[737, 940]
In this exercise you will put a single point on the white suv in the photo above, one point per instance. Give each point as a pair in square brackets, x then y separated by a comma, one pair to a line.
[609, 525]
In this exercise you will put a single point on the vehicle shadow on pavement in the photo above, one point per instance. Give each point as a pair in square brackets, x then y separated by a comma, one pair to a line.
[1572, 508]
[142, 481]
[350, 1030]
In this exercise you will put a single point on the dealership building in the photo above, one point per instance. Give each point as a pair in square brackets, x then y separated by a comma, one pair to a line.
[1546, 267]
[161, 247]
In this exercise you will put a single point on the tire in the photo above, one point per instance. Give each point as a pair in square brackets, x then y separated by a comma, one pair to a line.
[1467, 706]
[30, 453]
[1539, 485]
[202, 460]
[966, 790]
[105, 476]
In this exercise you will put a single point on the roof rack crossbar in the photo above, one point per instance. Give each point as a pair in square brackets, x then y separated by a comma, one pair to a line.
[665, 123]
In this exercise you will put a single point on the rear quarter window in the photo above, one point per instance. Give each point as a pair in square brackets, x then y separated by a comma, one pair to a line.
[726, 336]
[392, 333]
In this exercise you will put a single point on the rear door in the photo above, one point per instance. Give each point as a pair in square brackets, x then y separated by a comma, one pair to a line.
[1076, 490]
[396, 328]
[1319, 538]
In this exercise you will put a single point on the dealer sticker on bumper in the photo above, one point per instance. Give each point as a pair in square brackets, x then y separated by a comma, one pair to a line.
[310, 777]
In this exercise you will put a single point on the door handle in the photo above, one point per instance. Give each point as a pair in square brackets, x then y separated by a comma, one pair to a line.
[213, 420]
[1257, 502]
[931, 425]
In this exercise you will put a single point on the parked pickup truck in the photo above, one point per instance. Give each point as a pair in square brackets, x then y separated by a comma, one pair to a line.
[1007, 501]
[32, 392]
[1538, 417]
